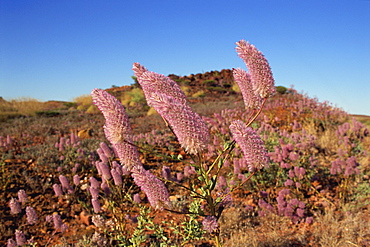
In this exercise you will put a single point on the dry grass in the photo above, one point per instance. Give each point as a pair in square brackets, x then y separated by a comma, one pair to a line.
[21, 106]
[241, 230]
[84, 102]
[332, 228]
[336, 228]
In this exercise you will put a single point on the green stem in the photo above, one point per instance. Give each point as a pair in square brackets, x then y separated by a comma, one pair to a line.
[229, 147]
[258, 113]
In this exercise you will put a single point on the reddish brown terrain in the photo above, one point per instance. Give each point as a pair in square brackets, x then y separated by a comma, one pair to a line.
[299, 132]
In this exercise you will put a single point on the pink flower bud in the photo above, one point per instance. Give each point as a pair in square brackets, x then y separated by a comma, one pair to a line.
[15, 207]
[22, 196]
[31, 215]
[57, 190]
[96, 205]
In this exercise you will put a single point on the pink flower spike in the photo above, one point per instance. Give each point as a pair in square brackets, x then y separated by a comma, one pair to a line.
[249, 141]
[138, 69]
[22, 196]
[31, 215]
[152, 83]
[189, 128]
[243, 79]
[258, 67]
[117, 128]
[15, 207]
[154, 188]
[210, 224]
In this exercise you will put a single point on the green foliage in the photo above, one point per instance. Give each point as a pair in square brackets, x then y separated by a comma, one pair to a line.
[281, 89]
[83, 102]
[186, 90]
[70, 104]
[47, 113]
[4, 116]
[199, 94]
[92, 109]
[134, 98]
[210, 83]
[217, 89]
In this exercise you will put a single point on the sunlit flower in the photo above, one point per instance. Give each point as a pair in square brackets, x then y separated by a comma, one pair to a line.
[153, 83]
[258, 67]
[138, 69]
[117, 128]
[249, 141]
[243, 79]
[154, 188]
[189, 128]
[118, 131]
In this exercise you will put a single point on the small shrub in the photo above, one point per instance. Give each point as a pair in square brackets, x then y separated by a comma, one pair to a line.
[186, 90]
[199, 94]
[83, 102]
[134, 97]
[281, 89]
[151, 111]
[70, 104]
[47, 113]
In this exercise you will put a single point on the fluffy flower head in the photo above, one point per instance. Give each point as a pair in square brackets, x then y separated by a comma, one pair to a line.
[117, 128]
[154, 188]
[243, 79]
[251, 144]
[259, 68]
[187, 125]
[152, 83]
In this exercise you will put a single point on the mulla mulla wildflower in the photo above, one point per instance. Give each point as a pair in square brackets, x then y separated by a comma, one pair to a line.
[251, 144]
[258, 67]
[153, 83]
[189, 128]
[117, 128]
[154, 188]
[118, 131]
[210, 224]
[31, 215]
[243, 79]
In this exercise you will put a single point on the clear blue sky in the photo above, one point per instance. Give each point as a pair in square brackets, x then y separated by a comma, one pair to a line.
[58, 50]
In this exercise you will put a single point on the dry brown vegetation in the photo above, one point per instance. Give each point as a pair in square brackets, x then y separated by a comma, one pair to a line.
[339, 205]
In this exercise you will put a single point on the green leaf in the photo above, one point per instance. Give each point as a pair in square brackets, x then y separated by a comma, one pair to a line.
[213, 182]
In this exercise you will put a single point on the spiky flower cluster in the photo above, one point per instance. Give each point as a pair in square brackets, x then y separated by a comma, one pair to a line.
[243, 79]
[251, 144]
[15, 207]
[167, 98]
[210, 224]
[154, 189]
[118, 131]
[188, 126]
[31, 215]
[153, 83]
[117, 128]
[258, 67]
